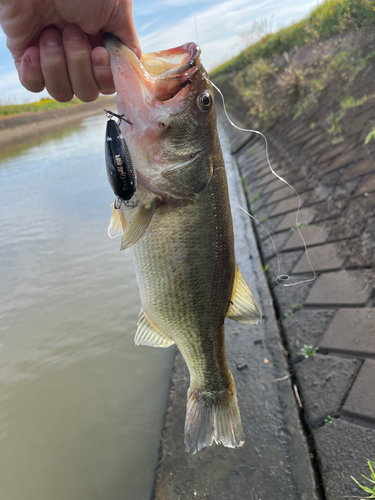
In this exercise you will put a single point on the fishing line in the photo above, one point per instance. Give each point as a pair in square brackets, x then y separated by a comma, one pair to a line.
[195, 21]
[280, 277]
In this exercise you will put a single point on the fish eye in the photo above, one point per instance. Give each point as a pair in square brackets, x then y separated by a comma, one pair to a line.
[204, 101]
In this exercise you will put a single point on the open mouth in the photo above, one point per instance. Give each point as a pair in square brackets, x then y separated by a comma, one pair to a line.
[162, 74]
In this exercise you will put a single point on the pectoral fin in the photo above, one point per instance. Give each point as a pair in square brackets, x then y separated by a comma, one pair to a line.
[149, 334]
[118, 224]
[243, 307]
[138, 225]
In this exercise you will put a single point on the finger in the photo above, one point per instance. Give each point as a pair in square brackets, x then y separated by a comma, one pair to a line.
[30, 71]
[52, 59]
[78, 56]
[121, 24]
[102, 70]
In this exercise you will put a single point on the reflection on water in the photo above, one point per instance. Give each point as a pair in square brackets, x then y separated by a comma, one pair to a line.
[81, 406]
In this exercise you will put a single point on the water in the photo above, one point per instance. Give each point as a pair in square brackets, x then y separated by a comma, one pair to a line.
[81, 405]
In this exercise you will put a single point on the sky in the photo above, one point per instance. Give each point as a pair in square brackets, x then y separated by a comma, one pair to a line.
[163, 24]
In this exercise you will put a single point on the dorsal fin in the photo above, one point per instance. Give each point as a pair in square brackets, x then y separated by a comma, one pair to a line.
[138, 225]
[149, 334]
[243, 307]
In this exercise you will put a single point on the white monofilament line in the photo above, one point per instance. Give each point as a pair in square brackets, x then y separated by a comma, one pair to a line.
[280, 277]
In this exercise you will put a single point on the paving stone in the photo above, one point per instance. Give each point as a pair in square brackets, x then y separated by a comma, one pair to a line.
[265, 179]
[287, 205]
[361, 400]
[287, 262]
[305, 327]
[324, 382]
[289, 220]
[345, 159]
[319, 148]
[340, 289]
[315, 139]
[357, 124]
[367, 186]
[351, 332]
[285, 192]
[334, 151]
[273, 186]
[313, 235]
[363, 167]
[279, 240]
[322, 258]
[304, 138]
[342, 447]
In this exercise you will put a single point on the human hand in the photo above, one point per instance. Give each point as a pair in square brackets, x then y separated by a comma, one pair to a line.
[56, 43]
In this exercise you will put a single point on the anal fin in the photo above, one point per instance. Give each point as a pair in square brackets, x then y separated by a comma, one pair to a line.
[243, 307]
[149, 334]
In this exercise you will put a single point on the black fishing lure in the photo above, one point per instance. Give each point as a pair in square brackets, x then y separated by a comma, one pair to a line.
[120, 170]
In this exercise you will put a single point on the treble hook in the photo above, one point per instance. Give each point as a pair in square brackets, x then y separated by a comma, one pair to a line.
[110, 114]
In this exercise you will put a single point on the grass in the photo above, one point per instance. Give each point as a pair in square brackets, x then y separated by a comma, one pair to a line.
[329, 19]
[329, 420]
[295, 308]
[368, 489]
[370, 137]
[309, 351]
[298, 226]
[35, 107]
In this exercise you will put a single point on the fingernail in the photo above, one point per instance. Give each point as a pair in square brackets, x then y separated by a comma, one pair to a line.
[51, 41]
[101, 62]
[73, 33]
[33, 58]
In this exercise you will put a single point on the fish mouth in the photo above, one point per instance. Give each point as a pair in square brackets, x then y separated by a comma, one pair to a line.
[157, 77]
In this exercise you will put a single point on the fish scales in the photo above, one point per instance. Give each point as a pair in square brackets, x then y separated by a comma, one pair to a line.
[179, 224]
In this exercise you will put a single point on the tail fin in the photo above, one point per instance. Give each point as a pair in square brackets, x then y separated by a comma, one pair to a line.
[212, 417]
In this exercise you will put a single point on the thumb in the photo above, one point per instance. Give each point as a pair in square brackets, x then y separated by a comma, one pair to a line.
[121, 24]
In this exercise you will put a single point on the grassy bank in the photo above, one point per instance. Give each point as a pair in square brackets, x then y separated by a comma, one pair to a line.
[329, 19]
[35, 107]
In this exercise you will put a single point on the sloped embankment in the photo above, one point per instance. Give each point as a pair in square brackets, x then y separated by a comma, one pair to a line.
[317, 106]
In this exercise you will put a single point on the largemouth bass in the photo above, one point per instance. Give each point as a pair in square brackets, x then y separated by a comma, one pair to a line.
[179, 223]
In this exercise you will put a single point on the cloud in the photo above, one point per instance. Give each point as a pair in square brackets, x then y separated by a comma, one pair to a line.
[215, 26]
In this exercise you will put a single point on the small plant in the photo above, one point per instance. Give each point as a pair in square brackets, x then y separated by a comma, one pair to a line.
[265, 268]
[350, 102]
[295, 308]
[329, 420]
[371, 136]
[264, 219]
[370, 490]
[254, 198]
[309, 351]
[298, 226]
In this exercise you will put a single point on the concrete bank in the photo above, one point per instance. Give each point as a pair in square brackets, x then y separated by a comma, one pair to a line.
[334, 316]
[28, 126]
[275, 460]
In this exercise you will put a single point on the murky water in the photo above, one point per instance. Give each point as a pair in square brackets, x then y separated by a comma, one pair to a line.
[81, 406]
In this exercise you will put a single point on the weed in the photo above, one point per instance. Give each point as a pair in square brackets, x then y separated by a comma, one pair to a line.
[371, 136]
[337, 140]
[295, 308]
[327, 20]
[350, 102]
[254, 198]
[264, 219]
[309, 351]
[367, 489]
[329, 420]
[312, 125]
[265, 268]
[298, 226]
[334, 119]
[34, 107]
